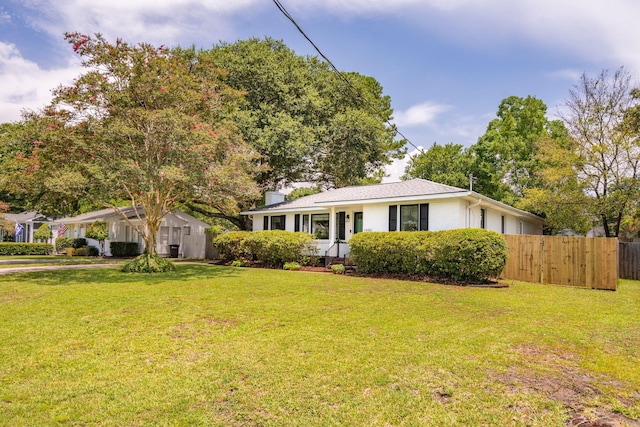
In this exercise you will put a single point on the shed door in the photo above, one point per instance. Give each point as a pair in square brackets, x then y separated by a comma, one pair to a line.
[163, 241]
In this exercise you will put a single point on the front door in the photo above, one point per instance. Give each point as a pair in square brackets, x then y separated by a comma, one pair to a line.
[163, 241]
[341, 226]
[357, 222]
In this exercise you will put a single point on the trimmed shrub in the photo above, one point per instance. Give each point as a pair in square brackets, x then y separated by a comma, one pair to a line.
[146, 263]
[43, 233]
[123, 249]
[337, 269]
[229, 245]
[469, 254]
[63, 243]
[293, 266]
[83, 251]
[275, 247]
[10, 248]
[238, 263]
[384, 252]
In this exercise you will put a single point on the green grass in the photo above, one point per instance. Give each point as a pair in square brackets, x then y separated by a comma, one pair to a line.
[228, 346]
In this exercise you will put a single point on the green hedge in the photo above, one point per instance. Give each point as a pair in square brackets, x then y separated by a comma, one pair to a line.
[123, 249]
[273, 247]
[83, 251]
[62, 243]
[10, 248]
[228, 245]
[469, 254]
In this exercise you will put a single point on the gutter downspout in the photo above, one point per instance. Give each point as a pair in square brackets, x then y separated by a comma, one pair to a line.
[469, 211]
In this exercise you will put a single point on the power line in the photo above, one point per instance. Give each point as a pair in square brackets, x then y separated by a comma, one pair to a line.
[340, 74]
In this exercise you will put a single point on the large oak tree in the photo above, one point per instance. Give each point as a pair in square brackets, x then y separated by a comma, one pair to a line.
[308, 122]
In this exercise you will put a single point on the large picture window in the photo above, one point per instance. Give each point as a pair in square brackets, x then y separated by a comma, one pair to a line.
[409, 218]
[278, 222]
[320, 226]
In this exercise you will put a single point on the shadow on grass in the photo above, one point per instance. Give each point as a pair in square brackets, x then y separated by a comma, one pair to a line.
[113, 275]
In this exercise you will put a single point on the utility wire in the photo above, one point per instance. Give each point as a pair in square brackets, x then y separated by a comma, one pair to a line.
[340, 74]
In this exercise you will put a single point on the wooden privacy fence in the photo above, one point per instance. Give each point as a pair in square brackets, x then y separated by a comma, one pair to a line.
[629, 256]
[563, 260]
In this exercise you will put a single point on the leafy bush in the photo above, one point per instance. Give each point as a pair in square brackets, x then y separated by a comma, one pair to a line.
[384, 252]
[83, 251]
[146, 263]
[238, 263]
[10, 248]
[291, 266]
[99, 231]
[43, 233]
[469, 254]
[337, 269]
[275, 247]
[229, 245]
[464, 254]
[123, 249]
[63, 243]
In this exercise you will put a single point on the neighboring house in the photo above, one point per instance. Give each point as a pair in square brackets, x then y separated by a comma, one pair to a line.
[417, 204]
[177, 228]
[29, 221]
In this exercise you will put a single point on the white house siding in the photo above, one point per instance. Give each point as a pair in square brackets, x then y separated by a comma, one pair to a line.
[375, 217]
[446, 214]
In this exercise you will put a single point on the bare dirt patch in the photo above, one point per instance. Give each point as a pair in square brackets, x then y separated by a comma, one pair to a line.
[557, 377]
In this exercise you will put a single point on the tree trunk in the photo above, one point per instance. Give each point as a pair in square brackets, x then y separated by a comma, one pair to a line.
[605, 225]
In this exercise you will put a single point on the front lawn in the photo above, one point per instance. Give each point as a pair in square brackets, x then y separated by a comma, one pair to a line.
[242, 347]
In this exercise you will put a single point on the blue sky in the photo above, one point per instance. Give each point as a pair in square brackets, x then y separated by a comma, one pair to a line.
[446, 64]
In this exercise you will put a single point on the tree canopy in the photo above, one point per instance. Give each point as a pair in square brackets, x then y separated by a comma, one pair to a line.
[448, 164]
[142, 124]
[308, 123]
[605, 153]
[506, 161]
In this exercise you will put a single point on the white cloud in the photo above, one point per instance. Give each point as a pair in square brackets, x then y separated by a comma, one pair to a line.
[25, 85]
[604, 31]
[420, 114]
[593, 29]
[4, 17]
[154, 21]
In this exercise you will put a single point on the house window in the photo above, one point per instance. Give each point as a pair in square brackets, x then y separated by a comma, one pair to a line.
[414, 217]
[521, 227]
[305, 223]
[265, 222]
[320, 225]
[187, 231]
[296, 222]
[409, 218]
[483, 218]
[278, 222]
